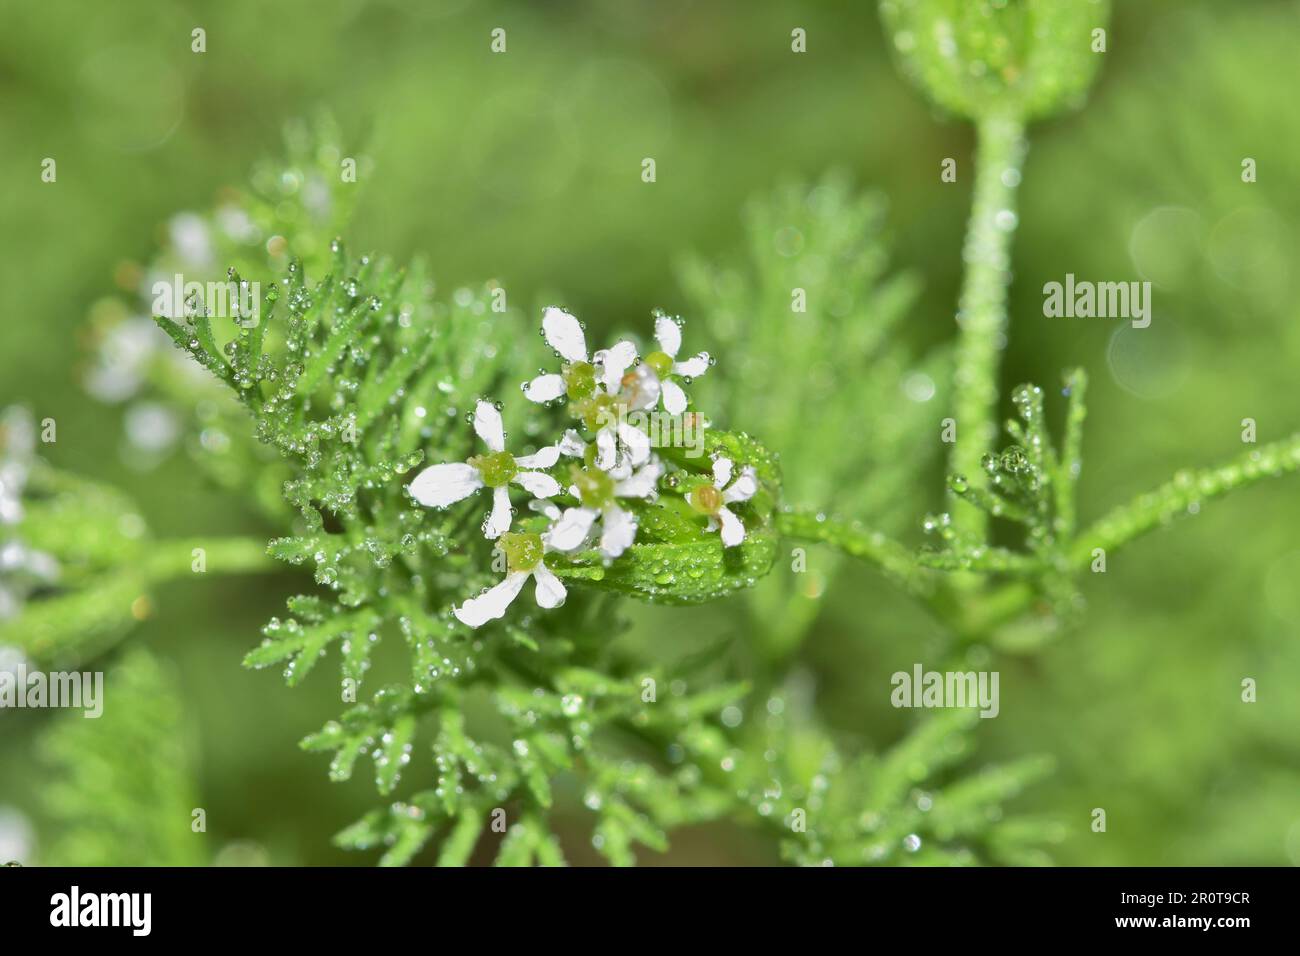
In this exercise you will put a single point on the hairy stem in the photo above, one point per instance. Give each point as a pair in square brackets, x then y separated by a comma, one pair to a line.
[890, 557]
[982, 308]
[176, 558]
[1157, 508]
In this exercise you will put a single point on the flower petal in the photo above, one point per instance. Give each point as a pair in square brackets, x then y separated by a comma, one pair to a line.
[642, 483]
[618, 531]
[488, 425]
[441, 485]
[733, 532]
[674, 397]
[669, 335]
[721, 472]
[572, 445]
[538, 484]
[743, 488]
[564, 334]
[570, 532]
[549, 590]
[637, 441]
[491, 604]
[542, 458]
[615, 361]
[693, 367]
[643, 391]
[544, 506]
[498, 522]
[606, 448]
[545, 388]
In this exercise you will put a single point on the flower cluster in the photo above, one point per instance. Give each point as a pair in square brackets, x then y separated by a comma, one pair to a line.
[612, 472]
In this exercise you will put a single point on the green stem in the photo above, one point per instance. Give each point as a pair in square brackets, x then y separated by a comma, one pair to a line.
[1157, 508]
[175, 558]
[890, 557]
[982, 307]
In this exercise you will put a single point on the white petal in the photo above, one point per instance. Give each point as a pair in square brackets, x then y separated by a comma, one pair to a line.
[721, 472]
[545, 507]
[744, 487]
[538, 484]
[549, 589]
[487, 423]
[572, 445]
[606, 448]
[733, 532]
[569, 533]
[545, 388]
[642, 484]
[498, 522]
[440, 485]
[616, 361]
[674, 397]
[492, 604]
[644, 389]
[619, 531]
[637, 441]
[669, 335]
[693, 367]
[542, 458]
[564, 334]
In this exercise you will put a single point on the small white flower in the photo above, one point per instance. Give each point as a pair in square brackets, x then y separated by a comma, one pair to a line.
[712, 500]
[525, 558]
[598, 493]
[441, 485]
[581, 374]
[593, 385]
[664, 364]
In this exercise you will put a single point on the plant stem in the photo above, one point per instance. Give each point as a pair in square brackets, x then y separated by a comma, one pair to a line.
[1157, 508]
[892, 558]
[982, 307]
[175, 558]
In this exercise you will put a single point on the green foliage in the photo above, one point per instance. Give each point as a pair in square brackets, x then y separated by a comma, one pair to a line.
[361, 377]
[121, 793]
[809, 327]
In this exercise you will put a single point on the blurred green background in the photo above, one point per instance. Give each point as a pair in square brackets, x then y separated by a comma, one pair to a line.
[525, 168]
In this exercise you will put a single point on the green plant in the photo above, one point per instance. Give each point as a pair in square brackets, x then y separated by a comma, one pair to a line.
[360, 413]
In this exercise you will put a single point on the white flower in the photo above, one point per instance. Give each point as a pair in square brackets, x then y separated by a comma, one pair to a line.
[712, 500]
[581, 375]
[441, 485]
[525, 558]
[593, 385]
[609, 454]
[668, 333]
[598, 493]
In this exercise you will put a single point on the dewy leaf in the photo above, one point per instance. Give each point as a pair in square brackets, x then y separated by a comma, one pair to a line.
[1019, 58]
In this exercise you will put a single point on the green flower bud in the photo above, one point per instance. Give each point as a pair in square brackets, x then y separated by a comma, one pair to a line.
[1023, 58]
[497, 468]
[523, 551]
[579, 379]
